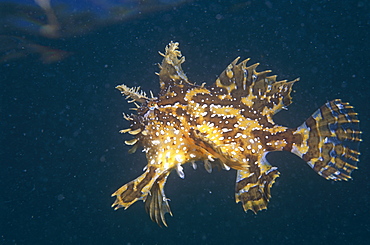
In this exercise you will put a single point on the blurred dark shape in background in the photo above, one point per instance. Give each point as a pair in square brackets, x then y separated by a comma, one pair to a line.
[29, 28]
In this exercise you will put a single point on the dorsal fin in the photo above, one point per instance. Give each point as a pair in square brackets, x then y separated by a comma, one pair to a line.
[261, 93]
[171, 71]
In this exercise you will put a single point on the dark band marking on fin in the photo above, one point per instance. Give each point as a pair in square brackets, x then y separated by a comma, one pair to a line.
[333, 140]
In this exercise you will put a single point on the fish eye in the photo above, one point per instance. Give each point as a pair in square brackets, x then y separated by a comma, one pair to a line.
[152, 105]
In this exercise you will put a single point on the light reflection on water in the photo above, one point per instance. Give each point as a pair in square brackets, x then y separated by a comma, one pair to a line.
[23, 23]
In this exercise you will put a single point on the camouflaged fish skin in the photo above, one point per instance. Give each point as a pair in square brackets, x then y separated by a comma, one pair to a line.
[229, 124]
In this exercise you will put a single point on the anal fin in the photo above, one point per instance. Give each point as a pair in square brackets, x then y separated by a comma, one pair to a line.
[253, 185]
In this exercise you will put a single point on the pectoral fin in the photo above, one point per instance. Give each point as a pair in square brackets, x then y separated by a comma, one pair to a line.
[156, 203]
[135, 190]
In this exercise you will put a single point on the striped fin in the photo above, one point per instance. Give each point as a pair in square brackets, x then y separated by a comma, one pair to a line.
[257, 90]
[332, 138]
[156, 203]
[149, 187]
[254, 183]
[135, 190]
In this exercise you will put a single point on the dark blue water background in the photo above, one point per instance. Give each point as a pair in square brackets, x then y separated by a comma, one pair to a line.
[61, 154]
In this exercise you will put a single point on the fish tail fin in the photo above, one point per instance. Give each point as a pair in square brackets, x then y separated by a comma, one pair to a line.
[330, 140]
[136, 190]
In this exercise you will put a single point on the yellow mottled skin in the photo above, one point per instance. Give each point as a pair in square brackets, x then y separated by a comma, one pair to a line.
[229, 124]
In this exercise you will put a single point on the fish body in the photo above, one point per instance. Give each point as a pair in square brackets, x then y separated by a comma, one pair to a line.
[229, 124]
